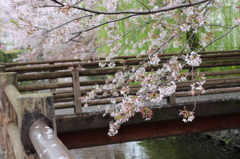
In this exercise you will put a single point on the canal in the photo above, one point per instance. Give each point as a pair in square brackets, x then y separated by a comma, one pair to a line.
[180, 147]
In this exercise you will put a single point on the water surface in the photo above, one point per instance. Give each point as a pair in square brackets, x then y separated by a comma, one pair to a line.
[180, 147]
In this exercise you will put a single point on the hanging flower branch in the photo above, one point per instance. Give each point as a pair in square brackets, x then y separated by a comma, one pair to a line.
[90, 29]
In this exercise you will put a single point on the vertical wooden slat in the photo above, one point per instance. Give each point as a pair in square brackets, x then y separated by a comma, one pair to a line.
[171, 99]
[76, 90]
[2, 68]
[52, 81]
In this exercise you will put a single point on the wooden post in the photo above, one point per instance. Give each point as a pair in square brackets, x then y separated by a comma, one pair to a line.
[2, 68]
[52, 81]
[76, 90]
[7, 112]
[171, 99]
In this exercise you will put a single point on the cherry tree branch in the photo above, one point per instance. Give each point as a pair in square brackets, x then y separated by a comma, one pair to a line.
[90, 15]
[124, 35]
[57, 2]
[213, 41]
[144, 5]
[143, 12]
[111, 21]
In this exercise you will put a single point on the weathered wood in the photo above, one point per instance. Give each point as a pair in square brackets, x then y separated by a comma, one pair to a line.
[177, 94]
[216, 73]
[57, 85]
[46, 143]
[171, 99]
[16, 142]
[206, 87]
[39, 76]
[76, 91]
[117, 62]
[52, 81]
[99, 82]
[66, 95]
[119, 57]
[39, 68]
[44, 86]
[152, 130]
[1, 130]
[8, 113]
[211, 91]
[62, 92]
[96, 120]
[104, 71]
[2, 68]
[63, 106]
[63, 100]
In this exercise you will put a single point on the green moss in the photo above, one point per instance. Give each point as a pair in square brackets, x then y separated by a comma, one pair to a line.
[9, 56]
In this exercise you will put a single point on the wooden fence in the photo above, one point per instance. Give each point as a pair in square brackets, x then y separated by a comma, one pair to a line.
[28, 73]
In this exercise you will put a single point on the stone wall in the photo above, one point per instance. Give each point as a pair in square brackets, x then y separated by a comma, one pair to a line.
[231, 137]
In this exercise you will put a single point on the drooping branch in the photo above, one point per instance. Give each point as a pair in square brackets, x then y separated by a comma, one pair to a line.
[144, 5]
[213, 41]
[59, 26]
[143, 12]
[55, 1]
[107, 22]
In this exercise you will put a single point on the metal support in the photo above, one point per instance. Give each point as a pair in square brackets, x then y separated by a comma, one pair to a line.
[46, 143]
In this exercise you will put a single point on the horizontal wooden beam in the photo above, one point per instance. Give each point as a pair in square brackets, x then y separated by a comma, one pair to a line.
[105, 71]
[94, 137]
[118, 57]
[107, 100]
[95, 64]
[85, 121]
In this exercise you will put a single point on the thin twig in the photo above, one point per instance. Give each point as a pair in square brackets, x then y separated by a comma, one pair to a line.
[111, 21]
[143, 12]
[144, 5]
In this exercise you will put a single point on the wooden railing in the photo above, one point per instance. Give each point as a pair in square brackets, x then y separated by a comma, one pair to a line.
[21, 115]
[20, 110]
[30, 72]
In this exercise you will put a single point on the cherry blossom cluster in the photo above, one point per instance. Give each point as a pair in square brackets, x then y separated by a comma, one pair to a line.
[146, 113]
[197, 86]
[187, 115]
[193, 59]
[89, 29]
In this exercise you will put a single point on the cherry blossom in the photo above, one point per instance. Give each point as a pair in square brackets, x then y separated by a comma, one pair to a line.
[187, 115]
[88, 30]
[193, 59]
